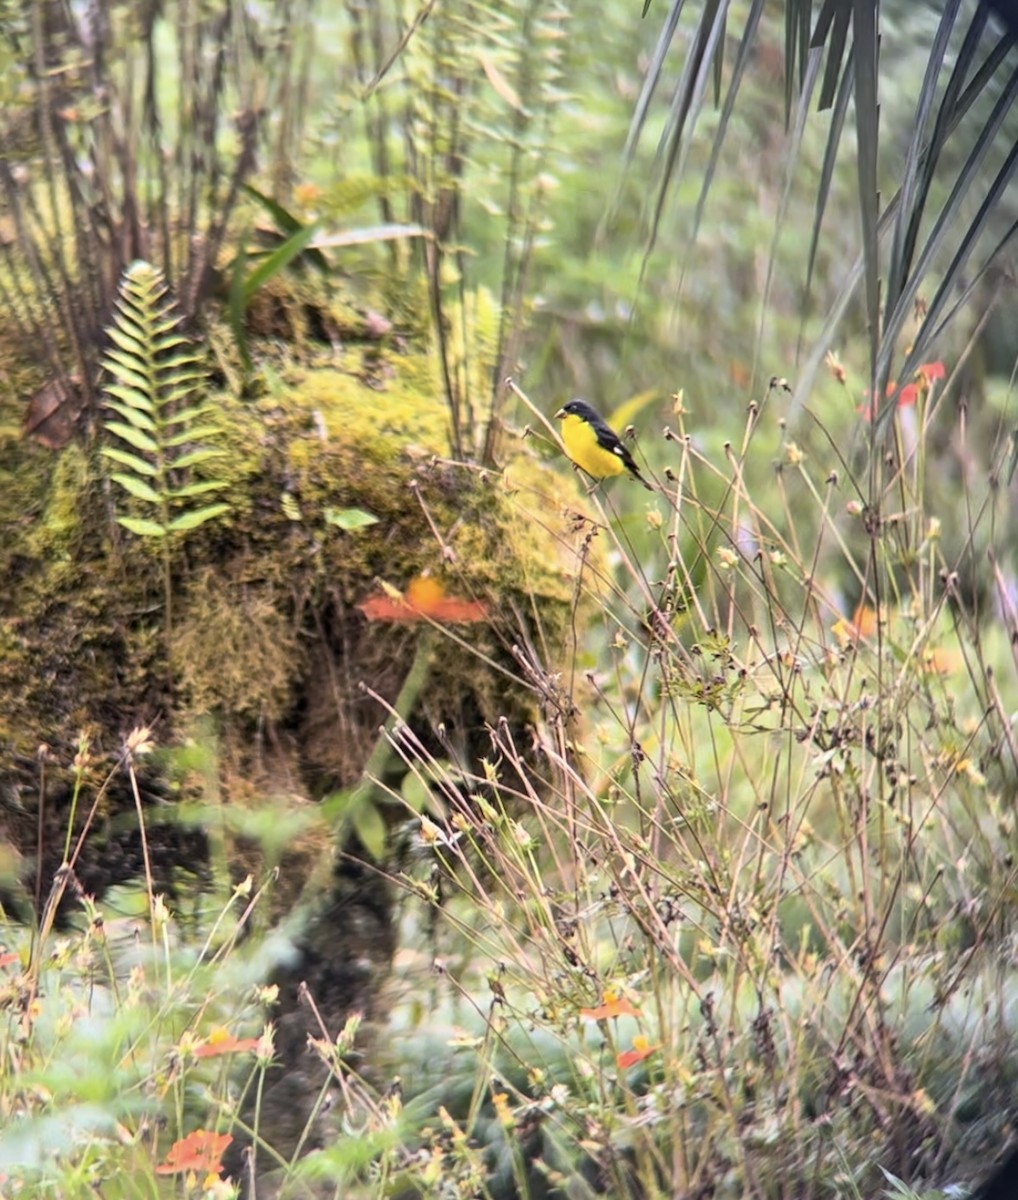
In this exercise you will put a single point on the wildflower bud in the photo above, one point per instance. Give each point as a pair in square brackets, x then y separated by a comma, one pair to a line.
[835, 366]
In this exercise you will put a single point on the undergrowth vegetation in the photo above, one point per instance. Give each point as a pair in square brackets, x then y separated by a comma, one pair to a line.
[738, 932]
[724, 904]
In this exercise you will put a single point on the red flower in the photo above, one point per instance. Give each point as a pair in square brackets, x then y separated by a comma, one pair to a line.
[201, 1151]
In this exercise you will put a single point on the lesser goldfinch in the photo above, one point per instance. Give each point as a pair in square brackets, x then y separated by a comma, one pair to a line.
[593, 445]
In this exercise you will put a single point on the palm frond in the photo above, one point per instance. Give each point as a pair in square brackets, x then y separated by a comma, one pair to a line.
[966, 66]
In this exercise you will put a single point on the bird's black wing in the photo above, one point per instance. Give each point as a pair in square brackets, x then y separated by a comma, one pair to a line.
[609, 440]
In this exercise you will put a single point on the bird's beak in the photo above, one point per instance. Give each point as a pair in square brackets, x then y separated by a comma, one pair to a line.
[561, 414]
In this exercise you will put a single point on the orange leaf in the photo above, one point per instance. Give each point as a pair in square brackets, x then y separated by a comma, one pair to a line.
[863, 624]
[939, 661]
[425, 598]
[221, 1041]
[612, 1005]
[201, 1150]
[641, 1049]
[7, 958]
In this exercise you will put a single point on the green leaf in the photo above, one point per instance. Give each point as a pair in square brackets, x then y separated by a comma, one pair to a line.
[168, 338]
[191, 520]
[288, 224]
[142, 527]
[132, 345]
[195, 433]
[200, 488]
[349, 518]
[133, 388]
[742, 60]
[277, 261]
[134, 437]
[866, 49]
[137, 487]
[139, 419]
[194, 457]
[369, 826]
[140, 466]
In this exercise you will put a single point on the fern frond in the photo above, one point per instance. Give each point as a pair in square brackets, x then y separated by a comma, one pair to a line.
[154, 375]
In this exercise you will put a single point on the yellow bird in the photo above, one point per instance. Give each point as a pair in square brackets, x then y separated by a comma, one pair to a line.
[593, 445]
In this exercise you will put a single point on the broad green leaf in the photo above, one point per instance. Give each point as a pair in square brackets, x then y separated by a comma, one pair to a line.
[191, 520]
[369, 826]
[287, 223]
[349, 518]
[415, 792]
[137, 487]
[277, 261]
[142, 527]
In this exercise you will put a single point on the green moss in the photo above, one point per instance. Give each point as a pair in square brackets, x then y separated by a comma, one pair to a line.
[267, 637]
[61, 521]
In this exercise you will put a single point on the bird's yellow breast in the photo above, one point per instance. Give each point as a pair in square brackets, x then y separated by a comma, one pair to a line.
[582, 447]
